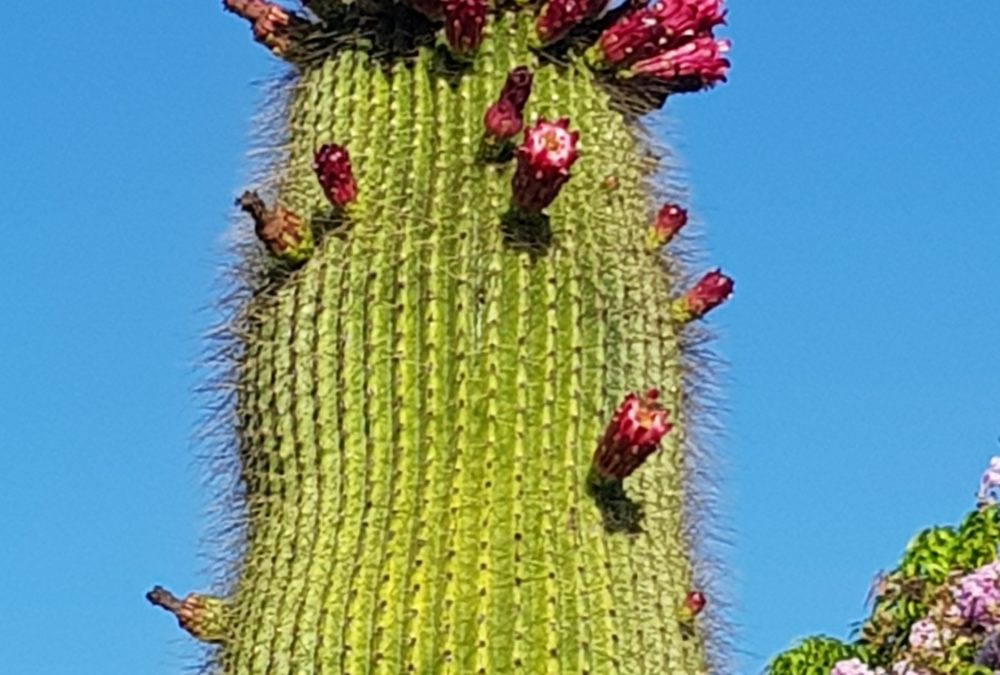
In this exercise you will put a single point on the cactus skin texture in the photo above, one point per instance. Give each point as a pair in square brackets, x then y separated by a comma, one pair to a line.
[419, 402]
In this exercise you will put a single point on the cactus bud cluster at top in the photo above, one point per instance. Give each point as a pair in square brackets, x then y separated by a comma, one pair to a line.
[461, 377]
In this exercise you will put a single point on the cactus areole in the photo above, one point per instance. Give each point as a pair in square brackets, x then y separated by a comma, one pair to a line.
[444, 462]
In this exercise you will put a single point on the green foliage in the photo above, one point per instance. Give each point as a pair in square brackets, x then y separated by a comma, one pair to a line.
[918, 588]
[814, 656]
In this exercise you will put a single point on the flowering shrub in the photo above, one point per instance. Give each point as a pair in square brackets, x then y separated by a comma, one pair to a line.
[937, 613]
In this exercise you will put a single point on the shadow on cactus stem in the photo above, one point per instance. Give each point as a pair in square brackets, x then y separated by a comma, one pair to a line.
[527, 232]
[619, 512]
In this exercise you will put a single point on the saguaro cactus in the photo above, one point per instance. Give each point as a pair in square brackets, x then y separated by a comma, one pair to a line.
[464, 402]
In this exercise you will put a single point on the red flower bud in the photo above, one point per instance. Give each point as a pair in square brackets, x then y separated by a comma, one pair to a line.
[504, 119]
[633, 435]
[543, 163]
[463, 24]
[333, 169]
[694, 602]
[670, 219]
[558, 17]
[665, 25]
[711, 291]
[698, 64]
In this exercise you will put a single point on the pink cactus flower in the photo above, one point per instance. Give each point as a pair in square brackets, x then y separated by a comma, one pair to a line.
[558, 17]
[698, 64]
[463, 24]
[633, 434]
[333, 169]
[505, 118]
[652, 30]
[543, 163]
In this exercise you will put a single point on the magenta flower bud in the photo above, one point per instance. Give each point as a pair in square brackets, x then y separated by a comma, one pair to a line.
[333, 169]
[543, 163]
[670, 220]
[652, 30]
[698, 64]
[505, 118]
[711, 291]
[633, 434]
[558, 17]
[694, 602]
[463, 24]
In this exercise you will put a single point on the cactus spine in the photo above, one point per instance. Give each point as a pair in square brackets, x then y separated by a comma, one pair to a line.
[419, 402]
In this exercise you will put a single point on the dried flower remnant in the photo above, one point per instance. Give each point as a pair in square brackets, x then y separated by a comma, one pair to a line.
[270, 22]
[284, 234]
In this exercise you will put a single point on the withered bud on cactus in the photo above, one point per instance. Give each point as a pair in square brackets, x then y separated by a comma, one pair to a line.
[633, 435]
[655, 29]
[670, 220]
[463, 24]
[558, 17]
[202, 616]
[270, 22]
[543, 162]
[695, 65]
[280, 230]
[711, 291]
[332, 164]
[505, 118]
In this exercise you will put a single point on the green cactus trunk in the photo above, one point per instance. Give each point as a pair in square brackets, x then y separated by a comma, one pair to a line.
[419, 403]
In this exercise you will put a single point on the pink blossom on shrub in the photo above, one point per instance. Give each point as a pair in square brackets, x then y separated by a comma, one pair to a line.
[988, 483]
[854, 667]
[977, 596]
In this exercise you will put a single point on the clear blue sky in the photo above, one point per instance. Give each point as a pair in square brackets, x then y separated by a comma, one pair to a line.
[847, 173]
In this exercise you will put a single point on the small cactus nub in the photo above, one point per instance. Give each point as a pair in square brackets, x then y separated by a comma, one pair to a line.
[280, 230]
[202, 616]
[543, 163]
[505, 118]
[332, 164]
[670, 220]
[463, 24]
[633, 434]
[712, 290]
[558, 17]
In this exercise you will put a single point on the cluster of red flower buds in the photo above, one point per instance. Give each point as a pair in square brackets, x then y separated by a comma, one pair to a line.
[670, 40]
[505, 118]
[270, 22]
[670, 220]
[558, 17]
[633, 435]
[284, 234]
[712, 290]
[543, 162]
[333, 169]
